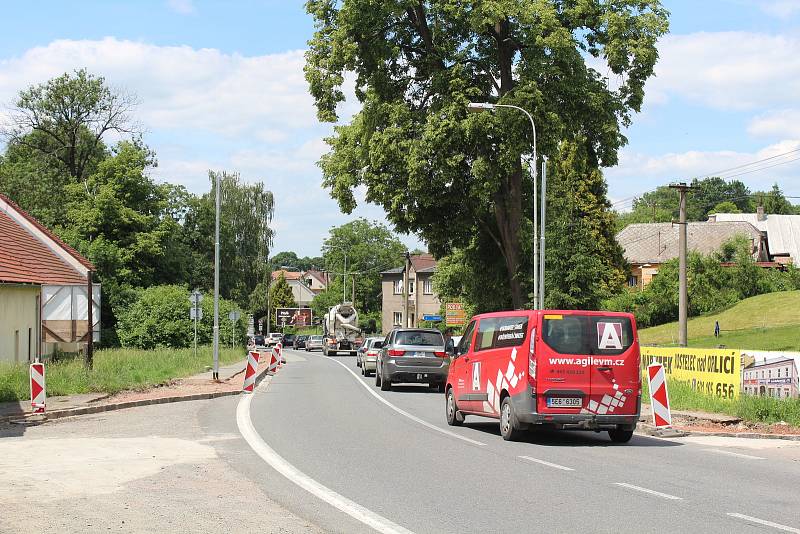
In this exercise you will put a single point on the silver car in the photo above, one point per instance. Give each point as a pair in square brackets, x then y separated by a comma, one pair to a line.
[368, 354]
[412, 355]
[313, 342]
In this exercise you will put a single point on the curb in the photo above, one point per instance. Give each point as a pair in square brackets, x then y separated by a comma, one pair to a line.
[85, 410]
[748, 435]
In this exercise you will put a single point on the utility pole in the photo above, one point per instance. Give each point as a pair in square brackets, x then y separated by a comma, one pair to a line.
[215, 373]
[683, 292]
[405, 288]
[541, 246]
[90, 332]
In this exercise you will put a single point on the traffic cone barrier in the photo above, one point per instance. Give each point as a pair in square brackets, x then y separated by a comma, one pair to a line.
[250, 372]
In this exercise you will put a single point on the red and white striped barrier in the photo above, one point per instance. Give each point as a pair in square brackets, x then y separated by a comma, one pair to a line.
[659, 398]
[279, 354]
[250, 372]
[38, 394]
[273, 362]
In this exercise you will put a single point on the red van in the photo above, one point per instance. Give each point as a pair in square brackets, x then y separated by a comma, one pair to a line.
[566, 369]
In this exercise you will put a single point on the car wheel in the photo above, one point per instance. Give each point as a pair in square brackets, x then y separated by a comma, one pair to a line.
[620, 436]
[386, 383]
[454, 417]
[440, 387]
[377, 377]
[509, 426]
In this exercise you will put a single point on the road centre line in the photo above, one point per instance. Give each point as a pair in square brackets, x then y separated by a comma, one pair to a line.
[277, 462]
[766, 523]
[737, 454]
[651, 492]
[549, 464]
[403, 412]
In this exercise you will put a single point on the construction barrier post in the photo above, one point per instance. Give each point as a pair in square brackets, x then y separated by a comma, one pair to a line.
[273, 363]
[250, 372]
[659, 398]
[38, 394]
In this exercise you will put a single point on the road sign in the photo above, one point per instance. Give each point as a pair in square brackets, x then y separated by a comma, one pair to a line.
[195, 297]
[659, 399]
[195, 313]
[251, 326]
[38, 395]
[431, 317]
[454, 312]
[234, 315]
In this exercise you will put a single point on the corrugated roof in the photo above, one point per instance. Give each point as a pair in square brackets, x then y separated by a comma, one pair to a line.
[783, 231]
[658, 242]
[25, 258]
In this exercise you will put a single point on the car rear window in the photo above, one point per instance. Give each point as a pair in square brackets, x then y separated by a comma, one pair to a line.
[587, 334]
[258, 340]
[499, 332]
[419, 337]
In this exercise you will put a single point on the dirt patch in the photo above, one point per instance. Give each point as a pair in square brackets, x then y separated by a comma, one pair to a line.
[691, 424]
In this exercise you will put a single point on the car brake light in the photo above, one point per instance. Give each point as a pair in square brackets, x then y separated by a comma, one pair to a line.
[441, 354]
[372, 353]
[395, 352]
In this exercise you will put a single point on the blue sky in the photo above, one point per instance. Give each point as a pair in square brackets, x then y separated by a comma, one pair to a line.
[221, 87]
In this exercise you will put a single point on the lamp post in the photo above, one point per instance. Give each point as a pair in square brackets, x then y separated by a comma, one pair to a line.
[538, 270]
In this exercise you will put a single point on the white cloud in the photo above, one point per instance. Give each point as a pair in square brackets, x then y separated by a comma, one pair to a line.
[783, 123]
[184, 7]
[638, 173]
[728, 70]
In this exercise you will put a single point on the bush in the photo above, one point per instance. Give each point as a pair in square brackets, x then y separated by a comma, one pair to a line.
[159, 317]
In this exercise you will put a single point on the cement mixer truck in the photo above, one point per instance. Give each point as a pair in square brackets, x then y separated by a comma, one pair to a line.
[340, 329]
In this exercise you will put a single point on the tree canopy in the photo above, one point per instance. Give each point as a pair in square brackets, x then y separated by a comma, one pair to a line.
[455, 178]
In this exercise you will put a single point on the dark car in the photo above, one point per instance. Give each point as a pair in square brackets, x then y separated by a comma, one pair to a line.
[300, 342]
[288, 340]
[412, 355]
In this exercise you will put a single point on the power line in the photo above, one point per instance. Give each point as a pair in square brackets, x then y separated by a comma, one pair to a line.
[723, 171]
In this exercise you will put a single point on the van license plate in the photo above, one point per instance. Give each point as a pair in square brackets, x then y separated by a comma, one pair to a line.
[564, 402]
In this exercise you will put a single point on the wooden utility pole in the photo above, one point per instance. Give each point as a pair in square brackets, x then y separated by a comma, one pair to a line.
[90, 333]
[405, 289]
[683, 292]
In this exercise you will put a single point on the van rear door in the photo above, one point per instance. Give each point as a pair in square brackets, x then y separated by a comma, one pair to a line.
[563, 382]
[614, 371]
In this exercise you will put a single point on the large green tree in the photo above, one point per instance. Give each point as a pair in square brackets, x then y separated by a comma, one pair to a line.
[370, 247]
[450, 176]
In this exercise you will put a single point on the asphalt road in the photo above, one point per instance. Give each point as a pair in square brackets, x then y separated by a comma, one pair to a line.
[400, 461]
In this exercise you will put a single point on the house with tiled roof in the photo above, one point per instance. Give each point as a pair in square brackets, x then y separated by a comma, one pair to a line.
[301, 289]
[44, 285]
[782, 232]
[421, 299]
[647, 245]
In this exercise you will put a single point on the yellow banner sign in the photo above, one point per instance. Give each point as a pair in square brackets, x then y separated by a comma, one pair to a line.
[454, 314]
[714, 372]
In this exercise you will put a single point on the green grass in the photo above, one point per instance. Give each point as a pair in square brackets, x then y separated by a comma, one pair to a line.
[748, 408]
[114, 370]
[765, 322]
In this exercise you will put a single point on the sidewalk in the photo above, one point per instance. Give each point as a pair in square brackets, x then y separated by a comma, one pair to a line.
[195, 387]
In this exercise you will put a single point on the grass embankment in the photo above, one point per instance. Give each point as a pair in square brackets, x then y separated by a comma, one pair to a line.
[765, 322]
[747, 407]
[114, 370]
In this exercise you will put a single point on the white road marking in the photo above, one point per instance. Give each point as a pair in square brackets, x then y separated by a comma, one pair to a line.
[766, 523]
[354, 510]
[737, 454]
[651, 492]
[405, 413]
[556, 466]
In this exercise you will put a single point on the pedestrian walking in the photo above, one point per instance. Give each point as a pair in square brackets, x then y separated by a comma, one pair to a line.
[716, 328]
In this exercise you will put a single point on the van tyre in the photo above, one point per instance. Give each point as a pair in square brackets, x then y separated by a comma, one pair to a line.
[454, 417]
[510, 427]
[620, 436]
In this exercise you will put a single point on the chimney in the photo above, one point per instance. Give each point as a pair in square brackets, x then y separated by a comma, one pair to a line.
[760, 214]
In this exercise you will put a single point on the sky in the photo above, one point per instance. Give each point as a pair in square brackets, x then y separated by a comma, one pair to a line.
[221, 87]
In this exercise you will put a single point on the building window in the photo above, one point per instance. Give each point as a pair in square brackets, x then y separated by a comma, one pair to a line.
[398, 287]
[427, 287]
[633, 281]
[410, 286]
[769, 373]
[398, 319]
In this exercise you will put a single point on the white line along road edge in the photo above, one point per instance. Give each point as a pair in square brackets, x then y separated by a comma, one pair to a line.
[405, 413]
[766, 523]
[736, 454]
[354, 510]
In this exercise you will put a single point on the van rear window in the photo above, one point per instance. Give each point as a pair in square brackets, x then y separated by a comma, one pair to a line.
[587, 334]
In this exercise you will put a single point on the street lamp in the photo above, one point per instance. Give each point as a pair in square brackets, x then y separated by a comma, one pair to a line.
[478, 107]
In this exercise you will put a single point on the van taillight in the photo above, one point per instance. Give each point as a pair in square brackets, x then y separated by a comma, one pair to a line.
[395, 352]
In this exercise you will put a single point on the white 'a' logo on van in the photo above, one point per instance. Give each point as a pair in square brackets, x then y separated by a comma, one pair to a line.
[476, 376]
[609, 336]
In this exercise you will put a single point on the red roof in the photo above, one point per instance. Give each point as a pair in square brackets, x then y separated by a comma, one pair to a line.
[288, 275]
[422, 261]
[27, 258]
